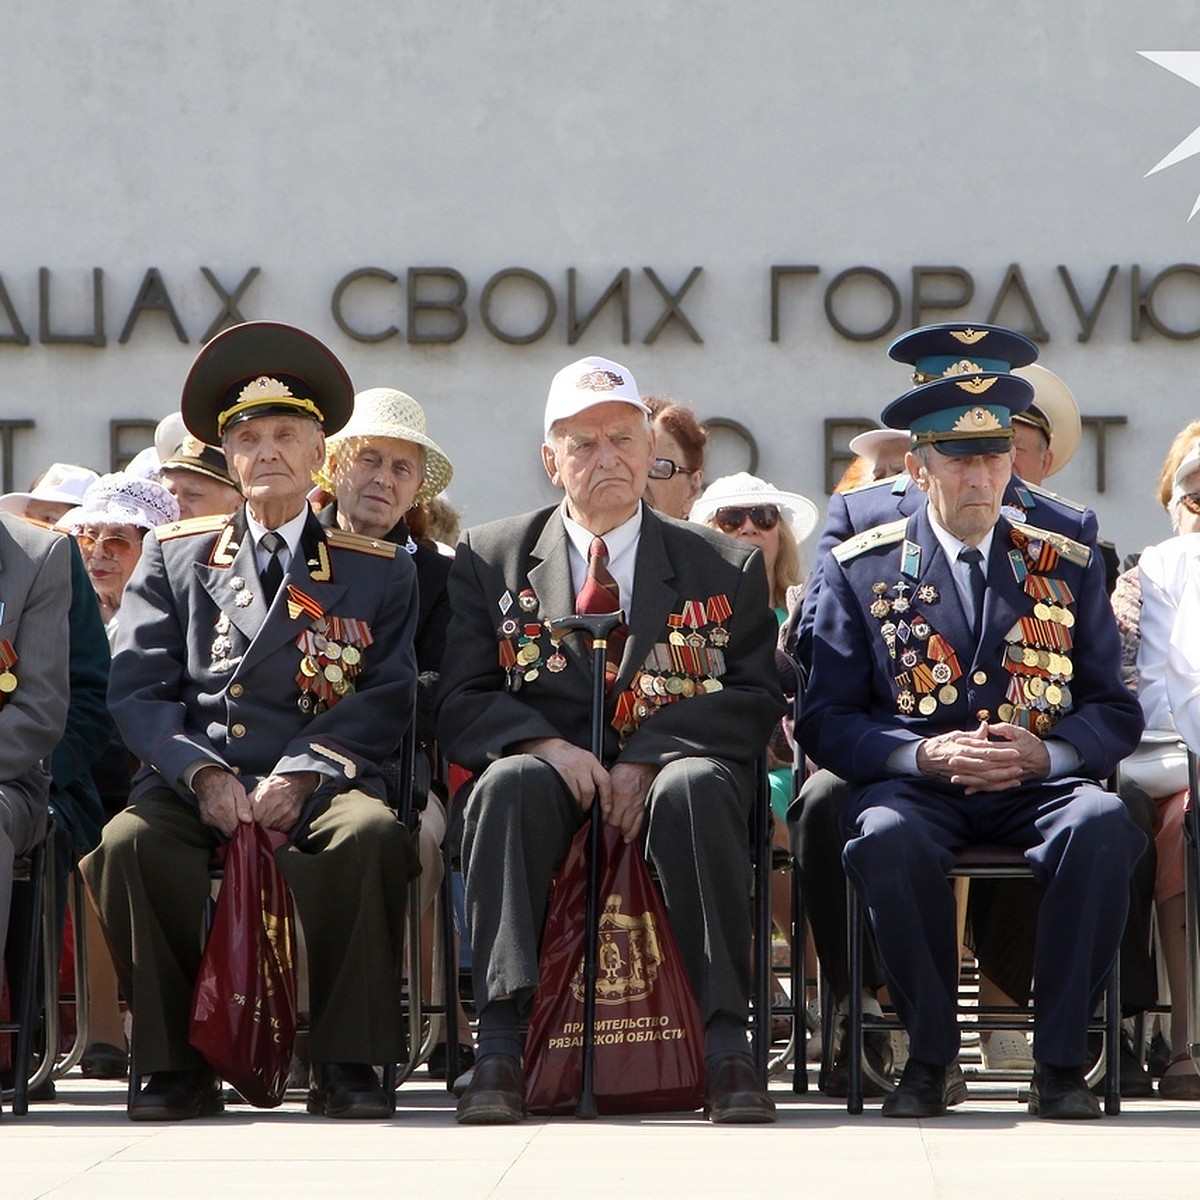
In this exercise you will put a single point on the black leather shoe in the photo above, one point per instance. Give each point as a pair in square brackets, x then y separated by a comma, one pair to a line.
[496, 1094]
[1061, 1094]
[876, 1066]
[733, 1094]
[177, 1096]
[921, 1092]
[956, 1085]
[102, 1060]
[348, 1091]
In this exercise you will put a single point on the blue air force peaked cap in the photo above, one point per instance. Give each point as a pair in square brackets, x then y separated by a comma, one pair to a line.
[263, 367]
[957, 348]
[962, 415]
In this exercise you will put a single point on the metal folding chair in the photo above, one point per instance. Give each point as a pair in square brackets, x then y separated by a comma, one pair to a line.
[31, 1002]
[979, 862]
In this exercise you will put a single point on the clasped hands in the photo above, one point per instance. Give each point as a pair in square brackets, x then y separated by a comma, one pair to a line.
[989, 758]
[275, 803]
[621, 791]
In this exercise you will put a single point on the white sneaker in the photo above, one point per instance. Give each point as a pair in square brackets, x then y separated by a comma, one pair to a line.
[899, 1050]
[1005, 1050]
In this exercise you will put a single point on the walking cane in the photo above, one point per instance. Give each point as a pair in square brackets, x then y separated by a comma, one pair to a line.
[599, 626]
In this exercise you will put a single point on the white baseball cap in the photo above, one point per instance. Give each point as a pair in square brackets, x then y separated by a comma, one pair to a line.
[62, 483]
[587, 382]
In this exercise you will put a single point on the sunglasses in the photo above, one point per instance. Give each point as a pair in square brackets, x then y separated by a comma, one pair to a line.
[667, 468]
[112, 546]
[730, 520]
[1191, 501]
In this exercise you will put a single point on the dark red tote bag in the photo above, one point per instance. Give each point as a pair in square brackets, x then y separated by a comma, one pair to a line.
[244, 1007]
[649, 1037]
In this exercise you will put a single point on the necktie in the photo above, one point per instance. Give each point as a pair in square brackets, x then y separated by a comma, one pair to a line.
[272, 573]
[973, 557]
[600, 594]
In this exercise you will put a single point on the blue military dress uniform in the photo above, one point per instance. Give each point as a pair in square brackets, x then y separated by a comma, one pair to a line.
[894, 661]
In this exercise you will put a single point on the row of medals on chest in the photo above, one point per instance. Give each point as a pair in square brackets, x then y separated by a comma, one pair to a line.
[1037, 689]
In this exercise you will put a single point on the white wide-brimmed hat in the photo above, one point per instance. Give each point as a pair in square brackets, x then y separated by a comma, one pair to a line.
[870, 442]
[1056, 403]
[124, 499]
[386, 412]
[62, 483]
[744, 490]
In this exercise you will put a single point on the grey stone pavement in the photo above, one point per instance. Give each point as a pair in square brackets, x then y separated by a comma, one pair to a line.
[82, 1145]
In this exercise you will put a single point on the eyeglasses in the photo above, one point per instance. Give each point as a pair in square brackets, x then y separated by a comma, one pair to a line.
[111, 546]
[667, 468]
[730, 520]
[1191, 501]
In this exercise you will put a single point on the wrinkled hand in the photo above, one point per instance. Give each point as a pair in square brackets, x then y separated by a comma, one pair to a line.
[581, 771]
[278, 800]
[972, 760]
[222, 799]
[1035, 757]
[630, 785]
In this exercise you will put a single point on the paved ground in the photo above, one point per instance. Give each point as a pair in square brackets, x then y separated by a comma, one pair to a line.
[83, 1146]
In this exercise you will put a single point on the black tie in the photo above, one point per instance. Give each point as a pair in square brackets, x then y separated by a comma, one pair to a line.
[973, 557]
[272, 573]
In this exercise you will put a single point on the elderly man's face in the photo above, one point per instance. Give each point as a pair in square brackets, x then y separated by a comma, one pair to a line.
[601, 458]
[273, 457]
[199, 495]
[1033, 459]
[47, 511]
[965, 493]
[376, 481]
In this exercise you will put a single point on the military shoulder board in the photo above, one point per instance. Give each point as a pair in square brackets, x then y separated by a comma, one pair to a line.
[174, 529]
[344, 540]
[1071, 550]
[1041, 491]
[881, 535]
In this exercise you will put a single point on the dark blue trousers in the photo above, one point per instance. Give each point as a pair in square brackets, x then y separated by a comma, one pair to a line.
[1081, 845]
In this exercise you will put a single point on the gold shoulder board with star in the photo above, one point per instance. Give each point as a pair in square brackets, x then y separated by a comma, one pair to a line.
[1071, 550]
[209, 524]
[881, 535]
[344, 540]
[1041, 491]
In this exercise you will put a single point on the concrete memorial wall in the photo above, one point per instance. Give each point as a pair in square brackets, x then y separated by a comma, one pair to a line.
[742, 203]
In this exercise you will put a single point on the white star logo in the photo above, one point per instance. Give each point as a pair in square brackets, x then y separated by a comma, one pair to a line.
[1185, 64]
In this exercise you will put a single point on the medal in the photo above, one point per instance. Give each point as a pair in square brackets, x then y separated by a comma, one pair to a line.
[351, 656]
[556, 662]
[927, 707]
[948, 694]
[8, 682]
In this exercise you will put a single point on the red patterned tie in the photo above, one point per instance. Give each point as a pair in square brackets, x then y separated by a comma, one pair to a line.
[600, 594]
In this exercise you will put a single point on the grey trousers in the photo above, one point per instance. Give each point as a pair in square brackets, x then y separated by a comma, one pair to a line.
[518, 822]
[22, 824]
[348, 872]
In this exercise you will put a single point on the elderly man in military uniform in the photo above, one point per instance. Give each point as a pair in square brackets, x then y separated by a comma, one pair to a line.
[931, 352]
[264, 667]
[965, 683]
[692, 699]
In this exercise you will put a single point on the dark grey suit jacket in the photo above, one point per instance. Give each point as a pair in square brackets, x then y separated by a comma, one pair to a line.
[479, 719]
[35, 589]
